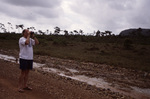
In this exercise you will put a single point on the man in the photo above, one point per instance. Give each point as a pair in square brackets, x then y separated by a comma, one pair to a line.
[26, 58]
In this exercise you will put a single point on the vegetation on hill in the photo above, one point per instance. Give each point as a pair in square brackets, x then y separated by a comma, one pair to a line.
[135, 32]
[127, 52]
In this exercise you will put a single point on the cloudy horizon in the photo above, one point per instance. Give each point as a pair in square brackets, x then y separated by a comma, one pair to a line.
[88, 15]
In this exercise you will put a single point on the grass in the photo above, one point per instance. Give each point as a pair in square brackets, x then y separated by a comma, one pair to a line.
[133, 53]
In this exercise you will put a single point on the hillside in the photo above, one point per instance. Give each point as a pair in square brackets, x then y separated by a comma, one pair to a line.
[127, 52]
[135, 32]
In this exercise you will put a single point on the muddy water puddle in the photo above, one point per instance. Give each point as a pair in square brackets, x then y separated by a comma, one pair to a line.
[135, 92]
[16, 60]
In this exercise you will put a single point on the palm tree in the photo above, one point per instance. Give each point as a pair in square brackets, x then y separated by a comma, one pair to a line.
[32, 28]
[4, 30]
[9, 27]
[108, 32]
[2, 27]
[57, 30]
[47, 31]
[81, 32]
[103, 33]
[71, 33]
[50, 33]
[76, 32]
[98, 33]
[41, 32]
[66, 33]
[19, 27]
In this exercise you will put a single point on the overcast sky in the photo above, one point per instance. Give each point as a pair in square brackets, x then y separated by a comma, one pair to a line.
[88, 15]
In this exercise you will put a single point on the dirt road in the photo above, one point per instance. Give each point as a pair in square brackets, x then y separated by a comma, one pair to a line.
[45, 86]
[52, 85]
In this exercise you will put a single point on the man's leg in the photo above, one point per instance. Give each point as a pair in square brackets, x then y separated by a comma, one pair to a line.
[21, 79]
[26, 78]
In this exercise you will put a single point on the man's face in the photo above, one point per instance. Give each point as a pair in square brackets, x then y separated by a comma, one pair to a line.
[26, 33]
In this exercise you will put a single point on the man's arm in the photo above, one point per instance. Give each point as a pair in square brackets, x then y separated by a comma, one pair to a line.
[28, 40]
[36, 40]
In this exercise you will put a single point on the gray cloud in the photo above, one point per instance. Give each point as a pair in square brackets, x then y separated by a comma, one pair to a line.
[141, 15]
[122, 5]
[29, 10]
[16, 12]
[114, 15]
[34, 3]
[50, 13]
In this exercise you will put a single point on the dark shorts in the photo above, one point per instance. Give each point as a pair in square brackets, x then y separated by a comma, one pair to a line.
[26, 64]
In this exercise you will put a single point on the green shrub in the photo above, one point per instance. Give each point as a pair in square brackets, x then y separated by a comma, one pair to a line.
[128, 44]
[40, 52]
[60, 42]
[43, 42]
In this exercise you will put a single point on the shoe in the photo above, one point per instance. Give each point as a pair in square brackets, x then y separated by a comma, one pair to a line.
[27, 88]
[21, 90]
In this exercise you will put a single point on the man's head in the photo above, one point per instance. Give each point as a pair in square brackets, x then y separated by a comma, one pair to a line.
[25, 33]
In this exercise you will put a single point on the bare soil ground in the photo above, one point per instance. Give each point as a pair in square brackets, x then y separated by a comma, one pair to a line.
[46, 86]
[52, 86]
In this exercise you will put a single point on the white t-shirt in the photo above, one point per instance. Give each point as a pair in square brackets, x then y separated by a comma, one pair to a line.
[26, 51]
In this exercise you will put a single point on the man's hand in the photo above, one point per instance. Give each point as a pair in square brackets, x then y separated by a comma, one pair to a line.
[36, 40]
[32, 35]
[29, 33]
[28, 37]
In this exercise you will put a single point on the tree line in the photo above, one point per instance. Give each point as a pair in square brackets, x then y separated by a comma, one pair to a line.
[57, 31]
